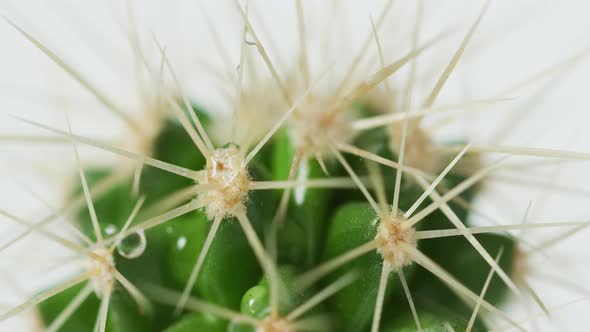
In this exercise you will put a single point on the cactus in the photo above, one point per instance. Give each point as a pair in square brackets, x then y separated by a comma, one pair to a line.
[310, 209]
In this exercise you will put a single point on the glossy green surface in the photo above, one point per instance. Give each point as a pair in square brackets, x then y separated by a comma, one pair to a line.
[307, 216]
[123, 314]
[198, 322]
[256, 301]
[84, 317]
[230, 267]
[464, 263]
[351, 226]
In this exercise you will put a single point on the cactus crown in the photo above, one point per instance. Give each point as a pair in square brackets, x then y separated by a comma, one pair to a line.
[292, 230]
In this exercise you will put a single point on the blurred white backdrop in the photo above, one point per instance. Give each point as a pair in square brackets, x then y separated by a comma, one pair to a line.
[516, 39]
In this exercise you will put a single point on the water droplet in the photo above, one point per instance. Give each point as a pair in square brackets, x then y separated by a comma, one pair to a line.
[110, 230]
[181, 243]
[133, 245]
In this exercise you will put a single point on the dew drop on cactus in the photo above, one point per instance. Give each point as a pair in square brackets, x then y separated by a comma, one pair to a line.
[133, 245]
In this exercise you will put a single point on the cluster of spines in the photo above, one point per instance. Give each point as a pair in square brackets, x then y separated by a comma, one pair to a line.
[226, 183]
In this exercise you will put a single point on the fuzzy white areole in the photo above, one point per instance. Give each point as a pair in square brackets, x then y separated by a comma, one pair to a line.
[102, 268]
[230, 181]
[391, 236]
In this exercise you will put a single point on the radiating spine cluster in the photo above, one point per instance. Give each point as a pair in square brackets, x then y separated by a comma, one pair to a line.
[345, 214]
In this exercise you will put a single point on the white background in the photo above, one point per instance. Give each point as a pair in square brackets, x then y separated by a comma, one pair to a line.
[515, 40]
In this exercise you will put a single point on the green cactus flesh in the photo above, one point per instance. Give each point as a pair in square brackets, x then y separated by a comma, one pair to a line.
[320, 224]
